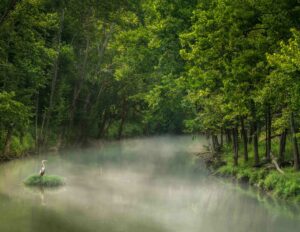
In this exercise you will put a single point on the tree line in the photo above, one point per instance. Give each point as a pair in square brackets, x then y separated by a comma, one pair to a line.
[74, 70]
[243, 68]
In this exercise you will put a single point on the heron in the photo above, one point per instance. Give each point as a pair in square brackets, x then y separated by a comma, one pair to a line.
[43, 168]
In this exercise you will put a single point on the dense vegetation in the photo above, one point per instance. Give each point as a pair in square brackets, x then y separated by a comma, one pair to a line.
[74, 70]
[77, 70]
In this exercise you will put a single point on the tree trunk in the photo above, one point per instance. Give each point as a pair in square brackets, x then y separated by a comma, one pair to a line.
[250, 135]
[228, 136]
[245, 139]
[78, 86]
[102, 124]
[104, 44]
[295, 142]
[7, 142]
[36, 123]
[235, 146]
[215, 142]
[255, 143]
[282, 144]
[120, 131]
[268, 134]
[47, 113]
[123, 118]
[107, 125]
[101, 51]
[222, 141]
[84, 121]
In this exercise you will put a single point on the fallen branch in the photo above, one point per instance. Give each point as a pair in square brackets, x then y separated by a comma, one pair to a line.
[204, 153]
[276, 164]
[272, 137]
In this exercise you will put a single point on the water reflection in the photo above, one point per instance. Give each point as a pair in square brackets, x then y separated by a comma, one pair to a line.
[152, 184]
[42, 195]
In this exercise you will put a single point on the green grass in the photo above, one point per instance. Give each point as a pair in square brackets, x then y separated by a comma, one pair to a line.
[285, 186]
[44, 181]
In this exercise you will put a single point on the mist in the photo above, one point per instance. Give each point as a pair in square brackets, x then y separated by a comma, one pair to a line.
[151, 184]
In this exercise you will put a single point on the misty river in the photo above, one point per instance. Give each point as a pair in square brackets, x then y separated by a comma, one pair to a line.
[136, 185]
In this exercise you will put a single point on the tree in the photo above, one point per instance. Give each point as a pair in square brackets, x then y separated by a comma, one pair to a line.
[285, 77]
[14, 117]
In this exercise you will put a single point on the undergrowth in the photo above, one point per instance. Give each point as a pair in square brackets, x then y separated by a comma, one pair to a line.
[285, 186]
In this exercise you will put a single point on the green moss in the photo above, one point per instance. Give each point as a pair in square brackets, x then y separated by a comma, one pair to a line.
[44, 181]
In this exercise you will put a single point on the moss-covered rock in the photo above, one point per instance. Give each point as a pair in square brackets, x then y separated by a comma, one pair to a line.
[44, 181]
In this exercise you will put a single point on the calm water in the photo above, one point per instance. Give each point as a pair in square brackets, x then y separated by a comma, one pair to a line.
[138, 185]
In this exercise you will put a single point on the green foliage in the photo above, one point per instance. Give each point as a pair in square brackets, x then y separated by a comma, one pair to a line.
[285, 76]
[13, 113]
[21, 145]
[44, 181]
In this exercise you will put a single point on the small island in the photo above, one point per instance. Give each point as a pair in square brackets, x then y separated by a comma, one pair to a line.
[41, 180]
[44, 181]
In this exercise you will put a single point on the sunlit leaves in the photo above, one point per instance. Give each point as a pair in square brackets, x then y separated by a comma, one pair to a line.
[284, 80]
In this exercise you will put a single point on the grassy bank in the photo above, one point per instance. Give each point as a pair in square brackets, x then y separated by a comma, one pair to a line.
[285, 186]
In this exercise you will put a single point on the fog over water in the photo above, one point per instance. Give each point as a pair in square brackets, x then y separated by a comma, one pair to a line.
[135, 185]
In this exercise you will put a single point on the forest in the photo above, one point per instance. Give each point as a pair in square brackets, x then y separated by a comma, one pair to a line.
[73, 71]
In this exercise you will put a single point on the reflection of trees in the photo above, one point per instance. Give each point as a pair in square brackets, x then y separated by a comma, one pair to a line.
[42, 195]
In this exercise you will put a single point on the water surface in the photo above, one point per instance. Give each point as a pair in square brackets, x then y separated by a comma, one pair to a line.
[135, 185]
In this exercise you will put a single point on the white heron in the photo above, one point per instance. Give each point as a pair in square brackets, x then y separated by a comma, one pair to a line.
[43, 168]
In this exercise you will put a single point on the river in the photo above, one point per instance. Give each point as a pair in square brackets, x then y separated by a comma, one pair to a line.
[135, 185]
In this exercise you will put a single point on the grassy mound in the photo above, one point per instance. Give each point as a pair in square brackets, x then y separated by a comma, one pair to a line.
[44, 181]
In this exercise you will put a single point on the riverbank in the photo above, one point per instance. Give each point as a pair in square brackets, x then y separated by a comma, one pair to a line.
[267, 178]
